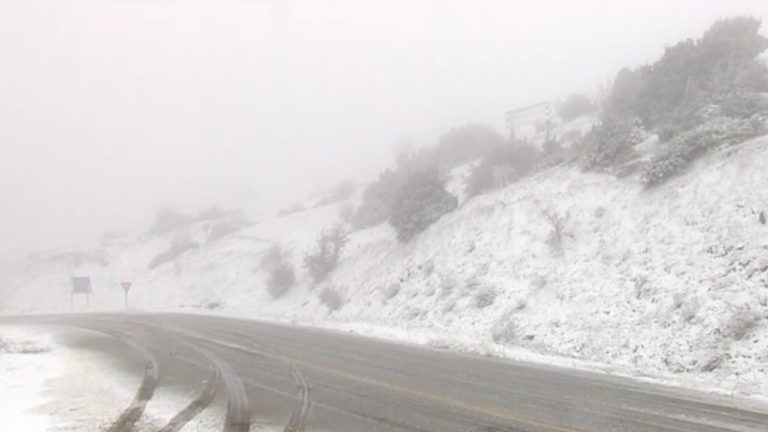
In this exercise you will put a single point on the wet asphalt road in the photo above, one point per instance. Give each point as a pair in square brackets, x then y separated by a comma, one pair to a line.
[306, 379]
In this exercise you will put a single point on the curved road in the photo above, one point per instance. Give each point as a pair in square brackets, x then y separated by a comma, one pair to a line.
[306, 379]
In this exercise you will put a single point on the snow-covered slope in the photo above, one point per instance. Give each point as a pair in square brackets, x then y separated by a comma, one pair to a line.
[668, 282]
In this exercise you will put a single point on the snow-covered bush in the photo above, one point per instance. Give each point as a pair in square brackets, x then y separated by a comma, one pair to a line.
[276, 262]
[320, 262]
[485, 297]
[391, 291]
[464, 144]
[224, 228]
[181, 242]
[421, 201]
[740, 322]
[167, 220]
[281, 279]
[574, 106]
[502, 165]
[686, 147]
[10, 345]
[291, 209]
[340, 192]
[331, 298]
[378, 199]
[447, 284]
[504, 330]
[611, 142]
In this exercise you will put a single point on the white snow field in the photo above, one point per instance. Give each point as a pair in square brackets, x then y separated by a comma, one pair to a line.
[669, 283]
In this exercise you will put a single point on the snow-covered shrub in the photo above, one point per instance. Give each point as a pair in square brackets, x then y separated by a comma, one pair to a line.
[421, 201]
[331, 298]
[182, 242]
[340, 192]
[686, 147]
[740, 322]
[281, 279]
[689, 309]
[272, 257]
[167, 220]
[464, 144]
[574, 106]
[485, 297]
[391, 291]
[504, 330]
[667, 94]
[642, 289]
[223, 228]
[611, 142]
[428, 268]
[378, 199]
[277, 263]
[324, 259]
[744, 105]
[293, 208]
[599, 212]
[14, 346]
[502, 165]
[447, 285]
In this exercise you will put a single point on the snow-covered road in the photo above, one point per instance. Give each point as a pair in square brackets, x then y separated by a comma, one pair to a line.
[296, 376]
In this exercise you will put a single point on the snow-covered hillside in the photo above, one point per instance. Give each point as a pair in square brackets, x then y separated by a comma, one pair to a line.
[669, 282]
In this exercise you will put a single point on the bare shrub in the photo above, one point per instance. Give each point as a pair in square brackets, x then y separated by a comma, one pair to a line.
[324, 259]
[557, 221]
[331, 298]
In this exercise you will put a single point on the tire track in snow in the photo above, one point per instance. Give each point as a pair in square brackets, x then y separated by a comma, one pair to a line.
[127, 420]
[197, 405]
[298, 419]
[238, 417]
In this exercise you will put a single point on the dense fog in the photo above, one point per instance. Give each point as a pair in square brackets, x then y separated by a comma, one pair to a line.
[111, 111]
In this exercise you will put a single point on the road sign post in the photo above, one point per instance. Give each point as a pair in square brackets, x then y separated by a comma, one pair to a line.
[126, 287]
[80, 285]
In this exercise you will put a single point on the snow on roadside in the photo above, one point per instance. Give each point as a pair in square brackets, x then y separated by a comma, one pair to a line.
[46, 386]
[26, 363]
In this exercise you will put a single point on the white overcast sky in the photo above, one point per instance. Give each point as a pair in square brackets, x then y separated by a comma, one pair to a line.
[110, 110]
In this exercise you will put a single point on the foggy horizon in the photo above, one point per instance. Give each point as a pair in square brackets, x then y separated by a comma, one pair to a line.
[112, 111]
